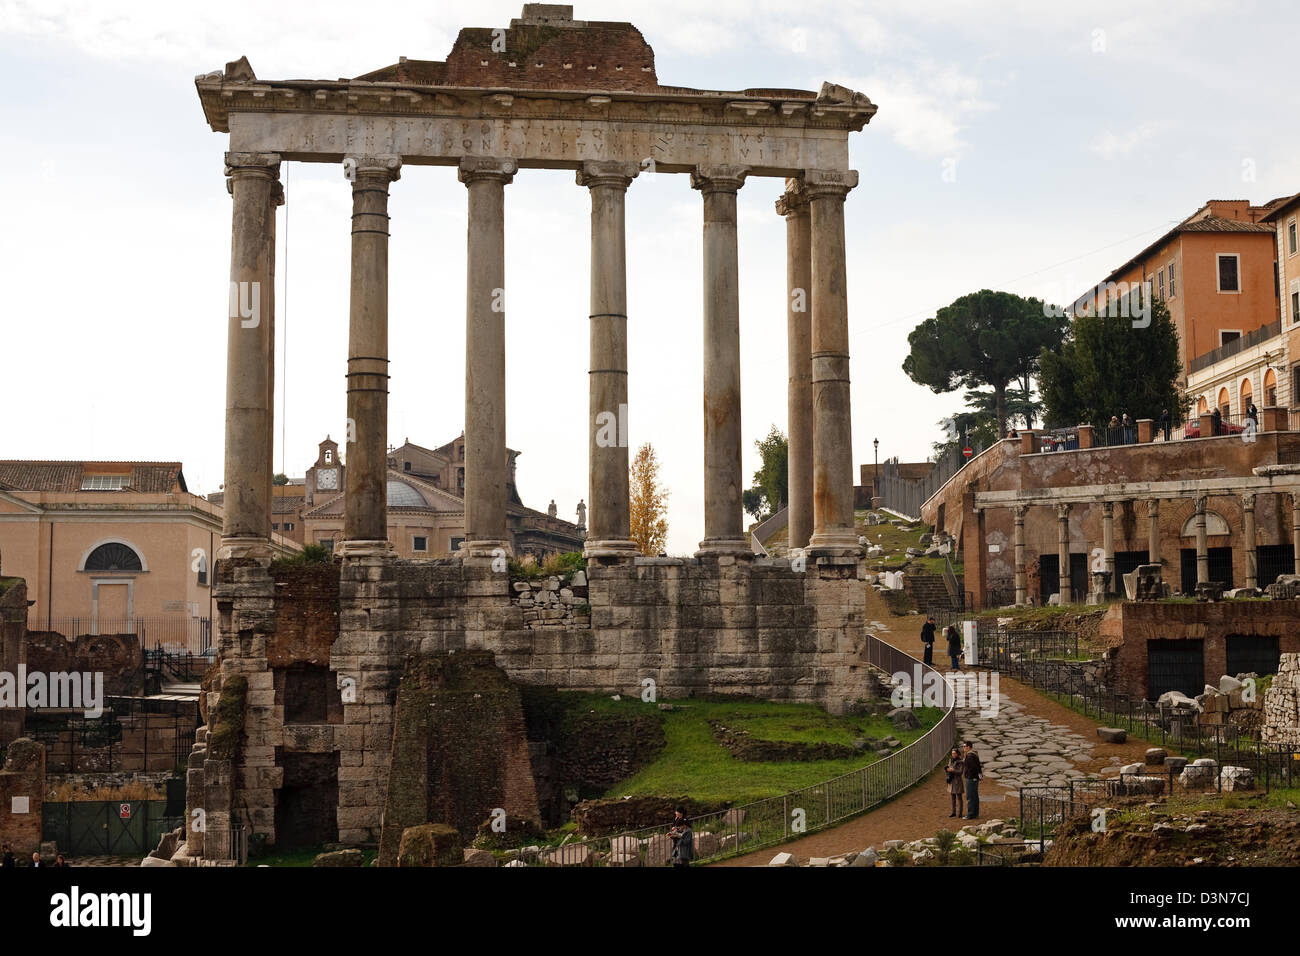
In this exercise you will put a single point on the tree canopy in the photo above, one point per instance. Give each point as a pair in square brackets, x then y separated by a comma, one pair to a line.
[1108, 366]
[984, 339]
[649, 504]
[771, 491]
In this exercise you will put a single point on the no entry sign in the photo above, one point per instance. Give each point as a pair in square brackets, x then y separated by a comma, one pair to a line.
[124, 811]
[967, 451]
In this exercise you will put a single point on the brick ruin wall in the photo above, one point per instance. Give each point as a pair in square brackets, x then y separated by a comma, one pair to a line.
[324, 648]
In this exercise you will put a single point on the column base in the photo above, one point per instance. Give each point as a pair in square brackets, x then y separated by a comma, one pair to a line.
[834, 544]
[620, 548]
[258, 549]
[730, 547]
[484, 551]
[353, 550]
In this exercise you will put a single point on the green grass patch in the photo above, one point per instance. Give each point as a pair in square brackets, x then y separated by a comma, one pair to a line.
[310, 554]
[694, 762]
[530, 569]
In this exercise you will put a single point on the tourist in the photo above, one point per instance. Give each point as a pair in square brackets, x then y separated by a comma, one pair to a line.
[36, 859]
[1164, 422]
[970, 771]
[927, 638]
[1216, 422]
[683, 839]
[1252, 413]
[956, 781]
[9, 861]
[1127, 424]
[58, 860]
[954, 645]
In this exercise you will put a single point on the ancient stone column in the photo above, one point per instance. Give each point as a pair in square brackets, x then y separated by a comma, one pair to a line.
[253, 182]
[793, 205]
[723, 515]
[485, 356]
[1108, 541]
[1018, 516]
[1063, 552]
[833, 528]
[365, 516]
[1153, 531]
[1202, 543]
[1251, 548]
[607, 447]
[1295, 529]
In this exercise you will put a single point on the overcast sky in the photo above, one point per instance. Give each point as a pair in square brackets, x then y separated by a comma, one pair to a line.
[1021, 146]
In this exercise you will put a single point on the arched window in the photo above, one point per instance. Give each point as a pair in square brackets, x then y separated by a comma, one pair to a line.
[1247, 393]
[1270, 387]
[114, 556]
[1202, 406]
[1225, 407]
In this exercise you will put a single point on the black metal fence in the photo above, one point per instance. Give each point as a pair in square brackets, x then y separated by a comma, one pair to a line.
[132, 735]
[176, 633]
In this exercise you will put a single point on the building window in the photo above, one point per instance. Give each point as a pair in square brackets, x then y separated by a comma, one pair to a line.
[421, 543]
[201, 569]
[1160, 282]
[1173, 284]
[104, 482]
[1227, 335]
[327, 544]
[114, 556]
[288, 526]
[406, 466]
[1229, 272]
[457, 542]
[1295, 304]
[1291, 239]
[1295, 384]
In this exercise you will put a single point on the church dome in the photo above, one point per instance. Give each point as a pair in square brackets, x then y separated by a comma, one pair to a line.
[402, 495]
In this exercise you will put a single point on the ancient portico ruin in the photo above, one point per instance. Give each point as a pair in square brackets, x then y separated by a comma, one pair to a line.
[547, 92]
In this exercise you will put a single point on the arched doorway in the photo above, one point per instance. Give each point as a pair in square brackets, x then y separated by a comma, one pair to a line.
[1225, 403]
[1270, 387]
[1245, 394]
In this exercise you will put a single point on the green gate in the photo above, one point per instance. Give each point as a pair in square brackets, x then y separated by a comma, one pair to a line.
[106, 827]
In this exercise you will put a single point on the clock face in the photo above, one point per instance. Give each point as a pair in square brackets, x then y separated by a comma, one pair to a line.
[327, 479]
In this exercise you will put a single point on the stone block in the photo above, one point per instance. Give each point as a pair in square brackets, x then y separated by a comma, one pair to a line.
[1112, 735]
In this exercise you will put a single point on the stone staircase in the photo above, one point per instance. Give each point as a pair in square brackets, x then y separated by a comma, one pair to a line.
[928, 591]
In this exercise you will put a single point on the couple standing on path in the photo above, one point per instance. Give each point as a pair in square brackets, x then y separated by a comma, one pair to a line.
[964, 772]
[927, 638]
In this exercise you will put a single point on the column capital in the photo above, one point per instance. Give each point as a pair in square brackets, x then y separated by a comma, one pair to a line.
[1200, 501]
[372, 166]
[724, 178]
[1108, 508]
[1063, 512]
[254, 163]
[475, 169]
[829, 183]
[1018, 513]
[1248, 500]
[794, 201]
[612, 173]
[1153, 507]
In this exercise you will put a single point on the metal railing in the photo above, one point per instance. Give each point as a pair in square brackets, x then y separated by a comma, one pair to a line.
[132, 736]
[1227, 349]
[175, 633]
[906, 495]
[775, 820]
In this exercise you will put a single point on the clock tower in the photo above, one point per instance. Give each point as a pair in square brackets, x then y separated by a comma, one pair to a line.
[325, 478]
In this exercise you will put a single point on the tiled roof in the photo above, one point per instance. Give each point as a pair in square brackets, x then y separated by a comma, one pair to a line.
[1280, 207]
[286, 504]
[144, 476]
[1219, 224]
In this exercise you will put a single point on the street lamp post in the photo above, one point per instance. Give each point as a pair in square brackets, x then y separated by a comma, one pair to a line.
[875, 487]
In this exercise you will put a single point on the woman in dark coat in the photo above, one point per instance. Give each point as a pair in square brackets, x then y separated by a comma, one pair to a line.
[954, 646]
[955, 782]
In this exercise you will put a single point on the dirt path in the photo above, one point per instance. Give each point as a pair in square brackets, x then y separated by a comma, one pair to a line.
[1067, 745]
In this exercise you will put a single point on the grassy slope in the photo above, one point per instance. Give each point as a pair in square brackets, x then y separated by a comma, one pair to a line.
[695, 764]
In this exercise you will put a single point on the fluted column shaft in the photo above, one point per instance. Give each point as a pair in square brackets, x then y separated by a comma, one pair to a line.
[365, 520]
[1108, 542]
[833, 529]
[1022, 590]
[723, 513]
[793, 205]
[609, 532]
[485, 356]
[1252, 555]
[1153, 531]
[1202, 544]
[1063, 552]
[253, 182]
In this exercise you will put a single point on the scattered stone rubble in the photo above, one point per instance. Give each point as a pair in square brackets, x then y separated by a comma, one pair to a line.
[970, 838]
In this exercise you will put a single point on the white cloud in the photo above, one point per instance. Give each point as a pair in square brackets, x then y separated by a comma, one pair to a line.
[1110, 145]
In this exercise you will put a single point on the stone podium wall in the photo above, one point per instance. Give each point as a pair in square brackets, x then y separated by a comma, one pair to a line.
[756, 627]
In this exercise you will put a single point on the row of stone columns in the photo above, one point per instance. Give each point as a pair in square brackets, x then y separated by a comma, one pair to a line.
[821, 476]
[1153, 541]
